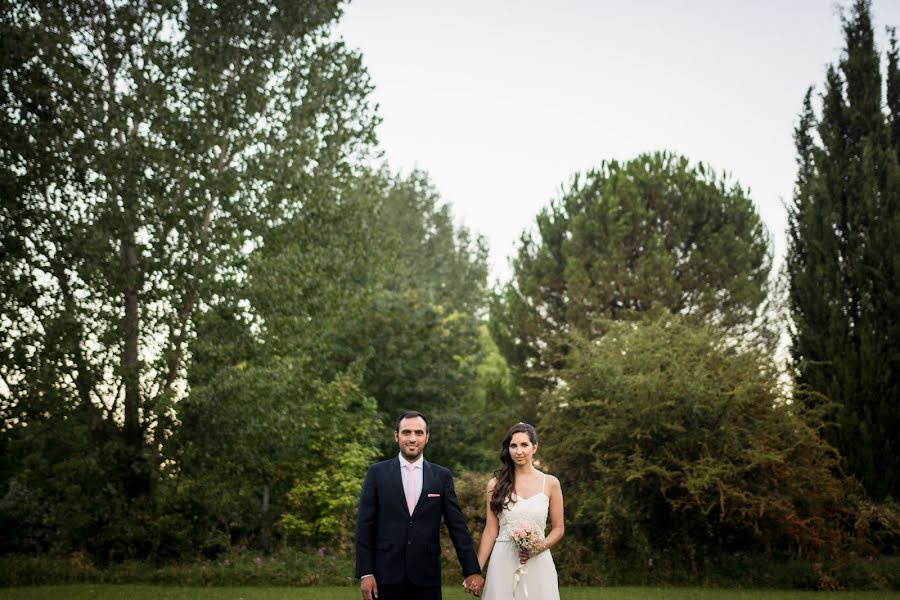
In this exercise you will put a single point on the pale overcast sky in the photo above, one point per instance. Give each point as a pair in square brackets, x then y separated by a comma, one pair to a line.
[501, 102]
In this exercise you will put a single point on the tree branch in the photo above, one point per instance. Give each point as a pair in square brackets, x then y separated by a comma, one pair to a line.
[190, 297]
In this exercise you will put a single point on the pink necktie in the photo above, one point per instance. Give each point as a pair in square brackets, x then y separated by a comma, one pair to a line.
[410, 488]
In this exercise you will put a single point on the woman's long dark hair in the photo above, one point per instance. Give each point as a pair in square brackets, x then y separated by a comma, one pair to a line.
[505, 487]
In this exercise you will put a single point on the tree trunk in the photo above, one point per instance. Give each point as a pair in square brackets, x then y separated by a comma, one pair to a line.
[134, 466]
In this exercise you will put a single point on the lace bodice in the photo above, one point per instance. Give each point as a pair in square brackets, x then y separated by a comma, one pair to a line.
[531, 511]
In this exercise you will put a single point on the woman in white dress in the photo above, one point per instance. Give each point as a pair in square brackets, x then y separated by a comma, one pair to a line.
[520, 496]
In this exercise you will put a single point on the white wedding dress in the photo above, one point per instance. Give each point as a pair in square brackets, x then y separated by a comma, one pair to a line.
[537, 579]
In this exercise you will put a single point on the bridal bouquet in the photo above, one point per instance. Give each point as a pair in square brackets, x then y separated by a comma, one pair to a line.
[526, 539]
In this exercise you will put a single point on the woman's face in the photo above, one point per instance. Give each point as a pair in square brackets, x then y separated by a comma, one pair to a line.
[521, 450]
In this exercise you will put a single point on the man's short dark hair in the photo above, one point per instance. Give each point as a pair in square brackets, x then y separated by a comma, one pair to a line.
[410, 414]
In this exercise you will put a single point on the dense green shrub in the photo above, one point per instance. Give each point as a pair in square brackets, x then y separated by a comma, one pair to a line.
[237, 567]
[673, 446]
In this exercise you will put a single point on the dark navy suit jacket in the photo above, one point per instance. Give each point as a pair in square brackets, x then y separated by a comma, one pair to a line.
[392, 544]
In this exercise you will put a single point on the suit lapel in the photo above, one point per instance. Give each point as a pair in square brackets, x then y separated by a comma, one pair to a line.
[426, 483]
[396, 482]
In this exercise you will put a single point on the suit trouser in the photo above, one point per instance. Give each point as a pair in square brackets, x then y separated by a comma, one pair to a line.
[407, 591]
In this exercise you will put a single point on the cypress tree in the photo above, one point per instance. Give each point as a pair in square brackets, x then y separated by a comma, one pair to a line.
[844, 253]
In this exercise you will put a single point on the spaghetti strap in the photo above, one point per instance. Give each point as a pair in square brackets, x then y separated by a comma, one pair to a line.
[544, 485]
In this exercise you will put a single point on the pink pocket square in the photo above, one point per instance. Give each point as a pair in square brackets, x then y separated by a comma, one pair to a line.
[434, 495]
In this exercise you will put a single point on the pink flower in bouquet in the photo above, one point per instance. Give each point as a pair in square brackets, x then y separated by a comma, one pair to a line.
[527, 539]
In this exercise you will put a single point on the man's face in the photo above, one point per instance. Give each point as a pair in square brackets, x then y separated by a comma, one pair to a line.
[412, 435]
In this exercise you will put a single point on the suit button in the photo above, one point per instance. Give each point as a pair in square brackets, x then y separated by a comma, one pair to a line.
[409, 541]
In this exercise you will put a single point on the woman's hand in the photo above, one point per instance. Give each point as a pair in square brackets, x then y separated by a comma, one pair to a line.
[525, 555]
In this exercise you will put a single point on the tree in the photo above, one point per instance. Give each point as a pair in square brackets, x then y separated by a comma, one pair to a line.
[443, 259]
[422, 328]
[276, 408]
[358, 306]
[147, 145]
[674, 446]
[843, 257]
[620, 240]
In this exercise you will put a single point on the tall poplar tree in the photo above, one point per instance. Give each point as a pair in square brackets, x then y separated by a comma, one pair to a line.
[146, 146]
[844, 254]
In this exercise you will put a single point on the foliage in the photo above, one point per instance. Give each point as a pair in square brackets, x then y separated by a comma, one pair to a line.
[62, 497]
[674, 446]
[622, 239]
[444, 260]
[419, 353]
[235, 568]
[269, 429]
[147, 147]
[470, 489]
[844, 253]
[415, 328]
[496, 397]
[297, 374]
[424, 326]
[874, 529]
[277, 412]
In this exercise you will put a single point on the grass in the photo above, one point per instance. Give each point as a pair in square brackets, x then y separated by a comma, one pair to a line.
[148, 592]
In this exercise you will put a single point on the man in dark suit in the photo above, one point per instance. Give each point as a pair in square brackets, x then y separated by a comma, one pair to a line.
[398, 549]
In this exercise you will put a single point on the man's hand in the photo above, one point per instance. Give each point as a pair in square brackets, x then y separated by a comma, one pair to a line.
[474, 584]
[369, 588]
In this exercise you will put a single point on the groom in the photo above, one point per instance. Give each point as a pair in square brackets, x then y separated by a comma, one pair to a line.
[398, 549]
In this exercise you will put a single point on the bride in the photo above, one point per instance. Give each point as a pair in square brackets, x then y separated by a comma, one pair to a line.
[519, 496]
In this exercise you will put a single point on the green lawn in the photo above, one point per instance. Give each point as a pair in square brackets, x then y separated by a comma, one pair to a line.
[148, 592]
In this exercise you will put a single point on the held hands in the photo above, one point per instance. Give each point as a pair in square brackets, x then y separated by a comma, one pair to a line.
[474, 584]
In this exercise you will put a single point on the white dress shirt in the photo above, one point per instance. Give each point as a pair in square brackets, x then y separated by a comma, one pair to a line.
[419, 465]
